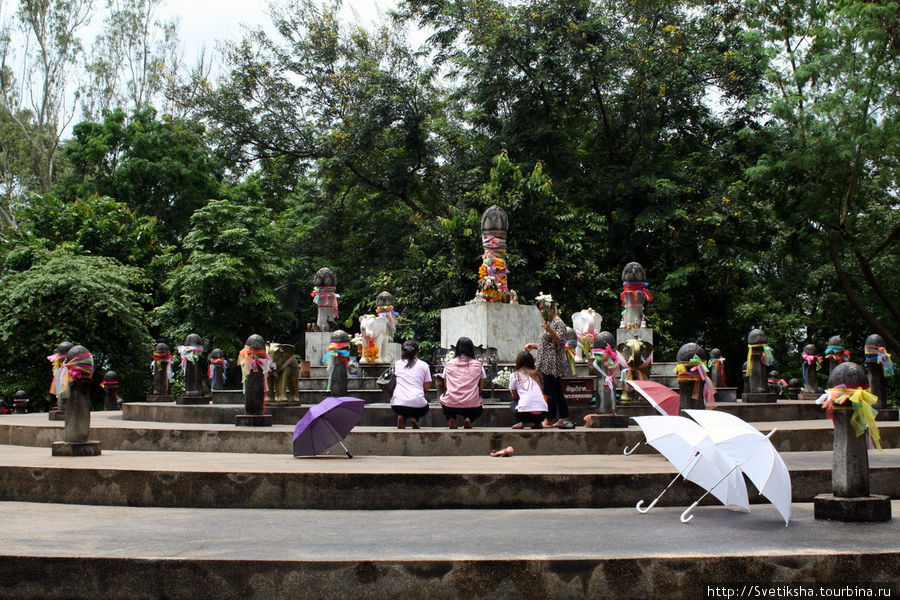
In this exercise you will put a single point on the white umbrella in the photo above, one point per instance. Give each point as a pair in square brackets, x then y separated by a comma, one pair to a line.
[750, 451]
[689, 448]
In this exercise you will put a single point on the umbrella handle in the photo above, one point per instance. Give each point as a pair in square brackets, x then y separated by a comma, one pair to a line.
[687, 518]
[626, 451]
[681, 473]
[646, 510]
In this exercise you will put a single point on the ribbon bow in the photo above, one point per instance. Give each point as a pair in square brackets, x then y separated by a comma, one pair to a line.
[390, 314]
[211, 366]
[694, 370]
[879, 354]
[607, 364]
[252, 360]
[861, 401]
[189, 354]
[767, 357]
[837, 353]
[636, 287]
[321, 295]
[80, 367]
[570, 354]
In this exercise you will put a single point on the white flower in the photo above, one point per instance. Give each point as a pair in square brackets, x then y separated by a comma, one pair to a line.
[502, 378]
[543, 298]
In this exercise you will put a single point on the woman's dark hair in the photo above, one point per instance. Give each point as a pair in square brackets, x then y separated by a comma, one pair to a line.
[465, 347]
[525, 363]
[409, 351]
[524, 359]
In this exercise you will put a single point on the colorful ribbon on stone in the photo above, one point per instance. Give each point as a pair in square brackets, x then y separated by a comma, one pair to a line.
[607, 364]
[721, 363]
[109, 383]
[336, 351]
[324, 295]
[861, 401]
[80, 367]
[808, 360]
[636, 287]
[694, 370]
[56, 360]
[570, 354]
[210, 369]
[189, 354]
[493, 274]
[626, 368]
[162, 357]
[252, 360]
[879, 355]
[837, 353]
[391, 315]
[767, 357]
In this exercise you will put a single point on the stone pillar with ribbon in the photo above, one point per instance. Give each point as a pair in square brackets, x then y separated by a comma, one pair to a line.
[606, 363]
[110, 385]
[161, 369]
[190, 354]
[217, 369]
[695, 388]
[255, 364]
[73, 383]
[878, 364]
[337, 357]
[849, 402]
[493, 274]
[759, 356]
[810, 368]
[325, 297]
[835, 353]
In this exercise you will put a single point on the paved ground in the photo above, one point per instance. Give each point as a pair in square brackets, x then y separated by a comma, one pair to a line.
[31, 529]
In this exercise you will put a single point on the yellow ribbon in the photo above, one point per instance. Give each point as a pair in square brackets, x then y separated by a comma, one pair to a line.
[861, 401]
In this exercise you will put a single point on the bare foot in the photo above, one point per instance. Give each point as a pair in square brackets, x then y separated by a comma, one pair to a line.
[547, 423]
[467, 424]
[414, 423]
[451, 422]
[518, 426]
[401, 422]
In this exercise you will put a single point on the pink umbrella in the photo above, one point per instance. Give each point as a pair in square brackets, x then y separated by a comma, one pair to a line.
[659, 396]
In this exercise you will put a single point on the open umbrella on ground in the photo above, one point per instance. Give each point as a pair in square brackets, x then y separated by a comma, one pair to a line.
[750, 451]
[326, 424]
[659, 396]
[689, 448]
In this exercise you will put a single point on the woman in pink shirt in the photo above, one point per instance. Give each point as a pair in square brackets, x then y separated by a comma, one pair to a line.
[464, 379]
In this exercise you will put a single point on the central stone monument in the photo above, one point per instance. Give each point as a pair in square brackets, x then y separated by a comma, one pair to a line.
[635, 294]
[490, 320]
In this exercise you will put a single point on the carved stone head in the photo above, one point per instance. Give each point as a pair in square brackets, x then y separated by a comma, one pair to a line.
[835, 341]
[494, 218]
[217, 353]
[571, 336]
[687, 352]
[633, 271]
[193, 339]
[757, 336]
[794, 383]
[384, 299]
[810, 349]
[75, 351]
[110, 376]
[256, 342]
[848, 374]
[773, 374]
[162, 348]
[875, 340]
[64, 347]
[715, 353]
[325, 277]
[340, 337]
[603, 339]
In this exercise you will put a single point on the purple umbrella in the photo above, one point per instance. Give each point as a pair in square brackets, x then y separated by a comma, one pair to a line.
[326, 424]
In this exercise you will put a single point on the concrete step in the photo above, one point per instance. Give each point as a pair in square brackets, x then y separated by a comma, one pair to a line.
[85, 553]
[116, 434]
[224, 480]
[496, 412]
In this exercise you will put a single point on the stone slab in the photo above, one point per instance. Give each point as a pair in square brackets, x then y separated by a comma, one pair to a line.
[56, 415]
[726, 394]
[642, 333]
[88, 448]
[160, 398]
[316, 345]
[609, 421]
[192, 400]
[253, 420]
[226, 554]
[506, 327]
[759, 397]
[227, 396]
[869, 509]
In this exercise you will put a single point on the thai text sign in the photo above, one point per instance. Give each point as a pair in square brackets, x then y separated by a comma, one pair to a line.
[578, 390]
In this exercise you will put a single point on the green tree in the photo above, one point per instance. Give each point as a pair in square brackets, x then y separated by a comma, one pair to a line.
[89, 300]
[225, 289]
[833, 125]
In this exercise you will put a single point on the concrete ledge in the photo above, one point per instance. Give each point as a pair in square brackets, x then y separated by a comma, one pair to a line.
[89, 448]
[871, 509]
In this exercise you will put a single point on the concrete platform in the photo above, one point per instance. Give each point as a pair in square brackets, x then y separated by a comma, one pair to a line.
[220, 480]
[91, 552]
[117, 434]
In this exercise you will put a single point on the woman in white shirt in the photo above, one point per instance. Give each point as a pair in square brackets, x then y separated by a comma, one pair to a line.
[526, 386]
[413, 377]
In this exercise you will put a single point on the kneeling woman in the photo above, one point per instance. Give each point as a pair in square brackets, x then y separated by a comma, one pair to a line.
[526, 386]
[464, 379]
[413, 379]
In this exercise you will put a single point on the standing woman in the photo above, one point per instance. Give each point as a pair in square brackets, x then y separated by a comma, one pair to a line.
[464, 379]
[525, 386]
[413, 378]
[552, 363]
